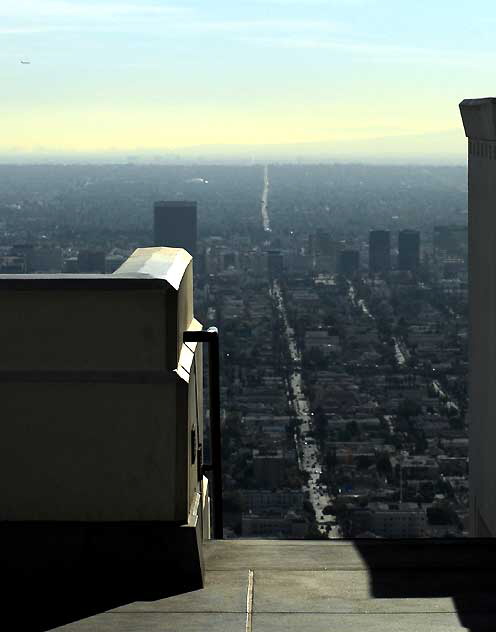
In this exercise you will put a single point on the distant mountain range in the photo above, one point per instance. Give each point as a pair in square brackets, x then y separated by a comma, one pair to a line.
[447, 147]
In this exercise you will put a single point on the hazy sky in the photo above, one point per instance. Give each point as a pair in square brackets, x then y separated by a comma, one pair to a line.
[119, 74]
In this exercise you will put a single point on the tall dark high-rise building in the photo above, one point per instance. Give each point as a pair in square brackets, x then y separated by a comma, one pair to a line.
[450, 242]
[379, 251]
[348, 262]
[175, 225]
[408, 250]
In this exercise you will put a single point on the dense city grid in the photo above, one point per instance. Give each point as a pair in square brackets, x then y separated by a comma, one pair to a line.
[343, 389]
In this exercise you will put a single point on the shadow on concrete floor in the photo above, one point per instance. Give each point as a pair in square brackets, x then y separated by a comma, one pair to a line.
[44, 598]
[461, 569]
[55, 574]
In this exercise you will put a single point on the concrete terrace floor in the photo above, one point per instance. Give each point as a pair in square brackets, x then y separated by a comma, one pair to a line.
[277, 586]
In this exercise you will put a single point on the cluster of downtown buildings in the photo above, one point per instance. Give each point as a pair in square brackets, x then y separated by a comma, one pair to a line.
[385, 384]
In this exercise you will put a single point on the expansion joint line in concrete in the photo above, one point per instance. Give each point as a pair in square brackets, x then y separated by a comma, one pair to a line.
[249, 602]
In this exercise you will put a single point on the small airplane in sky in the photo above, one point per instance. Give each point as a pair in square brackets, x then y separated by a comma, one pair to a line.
[25, 62]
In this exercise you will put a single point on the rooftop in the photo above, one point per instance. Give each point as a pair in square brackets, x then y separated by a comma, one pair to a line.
[272, 586]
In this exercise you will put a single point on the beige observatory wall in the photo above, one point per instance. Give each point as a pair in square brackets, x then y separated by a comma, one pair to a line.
[83, 329]
[189, 403]
[88, 452]
[479, 121]
[178, 275]
[95, 424]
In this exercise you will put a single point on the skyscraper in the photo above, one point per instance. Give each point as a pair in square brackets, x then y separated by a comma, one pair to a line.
[348, 262]
[175, 225]
[379, 251]
[409, 250]
[449, 242]
[479, 120]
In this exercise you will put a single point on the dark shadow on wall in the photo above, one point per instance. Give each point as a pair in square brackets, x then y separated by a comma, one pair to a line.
[53, 576]
[463, 569]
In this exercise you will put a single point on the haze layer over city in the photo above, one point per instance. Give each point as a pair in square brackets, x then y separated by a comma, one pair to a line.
[343, 383]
